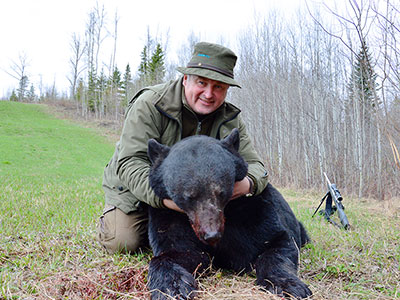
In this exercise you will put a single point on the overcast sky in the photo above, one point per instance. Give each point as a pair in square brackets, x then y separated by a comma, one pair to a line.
[42, 29]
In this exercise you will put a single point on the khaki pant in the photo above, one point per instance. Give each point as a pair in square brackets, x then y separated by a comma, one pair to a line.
[118, 232]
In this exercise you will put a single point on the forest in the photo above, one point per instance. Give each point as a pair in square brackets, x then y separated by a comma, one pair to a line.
[321, 92]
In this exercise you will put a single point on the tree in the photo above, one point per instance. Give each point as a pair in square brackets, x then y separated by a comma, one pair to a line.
[152, 68]
[18, 71]
[117, 92]
[78, 49]
[13, 96]
[144, 65]
[116, 81]
[94, 39]
[31, 94]
[156, 65]
[127, 83]
[22, 88]
[363, 84]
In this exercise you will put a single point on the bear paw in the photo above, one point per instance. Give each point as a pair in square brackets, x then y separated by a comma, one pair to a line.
[289, 288]
[168, 279]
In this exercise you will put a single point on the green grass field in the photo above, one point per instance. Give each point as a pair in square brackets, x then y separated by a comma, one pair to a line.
[51, 197]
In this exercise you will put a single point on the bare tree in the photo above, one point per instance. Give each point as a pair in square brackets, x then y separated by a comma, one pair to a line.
[115, 94]
[78, 49]
[95, 35]
[19, 72]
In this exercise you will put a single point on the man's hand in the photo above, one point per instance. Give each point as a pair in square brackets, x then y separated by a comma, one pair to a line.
[171, 205]
[241, 188]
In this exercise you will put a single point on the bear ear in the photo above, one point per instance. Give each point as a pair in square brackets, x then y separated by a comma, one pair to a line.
[232, 141]
[156, 151]
[241, 168]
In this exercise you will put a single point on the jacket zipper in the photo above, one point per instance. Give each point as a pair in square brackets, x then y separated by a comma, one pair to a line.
[198, 128]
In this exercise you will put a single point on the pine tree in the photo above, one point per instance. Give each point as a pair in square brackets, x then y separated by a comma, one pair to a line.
[31, 95]
[116, 79]
[13, 96]
[363, 84]
[127, 83]
[101, 83]
[91, 91]
[362, 106]
[152, 69]
[144, 64]
[22, 88]
[156, 65]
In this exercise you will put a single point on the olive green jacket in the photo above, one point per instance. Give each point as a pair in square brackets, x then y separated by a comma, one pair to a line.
[156, 112]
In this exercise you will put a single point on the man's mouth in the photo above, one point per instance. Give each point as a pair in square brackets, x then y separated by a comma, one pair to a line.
[206, 102]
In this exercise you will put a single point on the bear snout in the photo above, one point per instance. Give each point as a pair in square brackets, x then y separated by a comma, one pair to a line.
[212, 238]
[208, 225]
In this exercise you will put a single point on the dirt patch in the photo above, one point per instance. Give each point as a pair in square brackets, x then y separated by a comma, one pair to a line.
[107, 127]
[126, 283]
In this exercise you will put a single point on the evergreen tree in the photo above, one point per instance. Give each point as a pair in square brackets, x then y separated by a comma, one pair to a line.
[144, 64]
[363, 84]
[22, 88]
[13, 96]
[116, 79]
[127, 83]
[102, 84]
[31, 95]
[152, 69]
[116, 86]
[91, 91]
[156, 65]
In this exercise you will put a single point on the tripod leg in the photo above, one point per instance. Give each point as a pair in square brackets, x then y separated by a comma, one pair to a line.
[322, 201]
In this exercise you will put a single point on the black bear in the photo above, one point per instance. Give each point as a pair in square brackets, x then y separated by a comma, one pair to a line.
[260, 232]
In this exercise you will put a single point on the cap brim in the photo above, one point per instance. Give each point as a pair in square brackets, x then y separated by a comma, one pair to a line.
[209, 74]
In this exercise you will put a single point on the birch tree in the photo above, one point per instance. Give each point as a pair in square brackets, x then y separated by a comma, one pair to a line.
[78, 49]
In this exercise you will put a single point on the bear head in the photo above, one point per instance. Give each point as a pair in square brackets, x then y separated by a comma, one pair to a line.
[198, 174]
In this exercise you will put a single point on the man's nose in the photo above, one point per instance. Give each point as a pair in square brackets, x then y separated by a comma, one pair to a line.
[208, 92]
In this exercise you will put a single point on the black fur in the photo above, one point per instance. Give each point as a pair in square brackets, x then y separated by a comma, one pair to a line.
[259, 232]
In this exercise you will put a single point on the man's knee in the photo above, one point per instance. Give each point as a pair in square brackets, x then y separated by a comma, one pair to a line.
[122, 233]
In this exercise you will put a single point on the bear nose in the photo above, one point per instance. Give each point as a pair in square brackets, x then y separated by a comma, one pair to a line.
[212, 237]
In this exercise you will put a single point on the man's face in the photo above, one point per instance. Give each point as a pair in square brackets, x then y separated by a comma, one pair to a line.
[204, 95]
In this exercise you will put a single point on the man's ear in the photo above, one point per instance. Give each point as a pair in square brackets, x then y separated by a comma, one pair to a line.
[157, 152]
[232, 141]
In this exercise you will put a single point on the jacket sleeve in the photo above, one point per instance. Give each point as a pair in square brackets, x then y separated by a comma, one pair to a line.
[256, 171]
[142, 122]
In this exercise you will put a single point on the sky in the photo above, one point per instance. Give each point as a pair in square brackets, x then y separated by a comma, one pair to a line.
[41, 30]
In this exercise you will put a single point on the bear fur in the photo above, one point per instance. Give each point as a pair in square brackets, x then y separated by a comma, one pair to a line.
[259, 232]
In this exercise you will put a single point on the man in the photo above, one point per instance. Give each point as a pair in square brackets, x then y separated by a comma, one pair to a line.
[193, 104]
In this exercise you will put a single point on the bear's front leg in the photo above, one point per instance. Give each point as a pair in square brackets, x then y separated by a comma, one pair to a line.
[171, 274]
[167, 278]
[276, 269]
[178, 255]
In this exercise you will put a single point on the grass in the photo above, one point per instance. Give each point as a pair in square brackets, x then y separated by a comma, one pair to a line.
[51, 197]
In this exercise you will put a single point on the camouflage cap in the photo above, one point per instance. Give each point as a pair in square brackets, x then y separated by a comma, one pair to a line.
[212, 61]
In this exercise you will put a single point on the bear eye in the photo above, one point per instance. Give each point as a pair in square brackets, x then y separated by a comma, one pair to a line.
[221, 195]
[190, 196]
